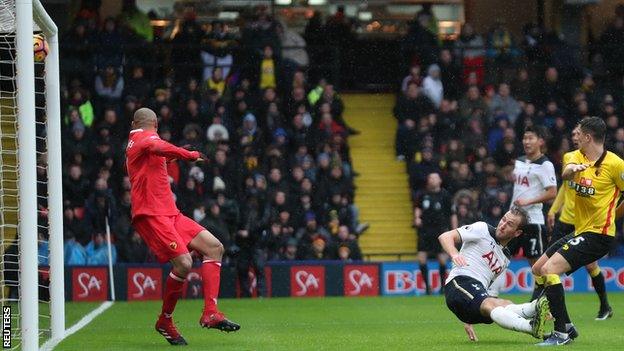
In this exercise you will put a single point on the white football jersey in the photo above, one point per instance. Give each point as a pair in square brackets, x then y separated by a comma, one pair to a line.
[497, 285]
[486, 258]
[530, 180]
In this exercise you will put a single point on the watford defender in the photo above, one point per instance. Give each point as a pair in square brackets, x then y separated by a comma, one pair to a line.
[598, 176]
[168, 233]
[564, 225]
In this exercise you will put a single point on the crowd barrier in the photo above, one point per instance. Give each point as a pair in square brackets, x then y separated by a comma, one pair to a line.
[308, 279]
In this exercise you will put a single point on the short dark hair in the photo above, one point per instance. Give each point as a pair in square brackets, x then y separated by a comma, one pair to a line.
[523, 214]
[540, 131]
[595, 127]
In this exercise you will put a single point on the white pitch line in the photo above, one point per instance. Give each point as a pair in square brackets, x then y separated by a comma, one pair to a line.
[51, 344]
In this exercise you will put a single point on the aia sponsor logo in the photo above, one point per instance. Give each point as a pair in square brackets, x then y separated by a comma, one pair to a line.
[522, 180]
[307, 281]
[144, 283]
[89, 284]
[361, 280]
[493, 262]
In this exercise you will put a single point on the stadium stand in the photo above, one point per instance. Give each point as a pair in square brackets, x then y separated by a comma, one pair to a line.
[281, 183]
[278, 184]
[491, 89]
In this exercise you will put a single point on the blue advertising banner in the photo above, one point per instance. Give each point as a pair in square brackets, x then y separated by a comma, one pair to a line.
[404, 278]
[519, 279]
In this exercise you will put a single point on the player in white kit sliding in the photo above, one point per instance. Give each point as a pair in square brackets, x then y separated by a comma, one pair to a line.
[535, 183]
[482, 258]
[493, 290]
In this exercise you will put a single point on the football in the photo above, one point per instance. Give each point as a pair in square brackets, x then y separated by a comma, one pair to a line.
[40, 48]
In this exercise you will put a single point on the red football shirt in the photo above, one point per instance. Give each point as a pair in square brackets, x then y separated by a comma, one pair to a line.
[146, 160]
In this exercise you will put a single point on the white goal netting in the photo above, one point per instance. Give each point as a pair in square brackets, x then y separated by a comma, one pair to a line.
[10, 257]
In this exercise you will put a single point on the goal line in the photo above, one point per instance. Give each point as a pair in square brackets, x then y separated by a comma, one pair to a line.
[83, 322]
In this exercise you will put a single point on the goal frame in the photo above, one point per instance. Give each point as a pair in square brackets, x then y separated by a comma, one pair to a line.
[28, 13]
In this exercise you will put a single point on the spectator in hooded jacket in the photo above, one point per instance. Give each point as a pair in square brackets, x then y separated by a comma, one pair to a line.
[74, 253]
[432, 85]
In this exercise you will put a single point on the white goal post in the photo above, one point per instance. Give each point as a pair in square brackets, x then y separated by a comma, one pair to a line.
[55, 171]
[30, 14]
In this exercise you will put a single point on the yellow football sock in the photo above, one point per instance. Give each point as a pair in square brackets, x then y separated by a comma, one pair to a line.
[594, 272]
[539, 279]
[552, 279]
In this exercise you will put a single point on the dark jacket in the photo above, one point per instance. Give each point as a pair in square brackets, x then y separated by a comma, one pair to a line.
[406, 108]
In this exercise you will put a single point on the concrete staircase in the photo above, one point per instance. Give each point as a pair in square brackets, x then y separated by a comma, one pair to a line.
[382, 193]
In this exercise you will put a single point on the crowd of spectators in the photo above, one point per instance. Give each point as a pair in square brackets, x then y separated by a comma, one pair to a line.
[278, 182]
[463, 108]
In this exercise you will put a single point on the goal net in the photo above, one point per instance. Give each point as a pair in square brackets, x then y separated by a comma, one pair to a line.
[31, 234]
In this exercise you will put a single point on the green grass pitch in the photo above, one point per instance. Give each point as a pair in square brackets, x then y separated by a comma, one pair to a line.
[333, 323]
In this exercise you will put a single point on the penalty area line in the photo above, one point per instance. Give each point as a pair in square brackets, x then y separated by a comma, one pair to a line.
[52, 343]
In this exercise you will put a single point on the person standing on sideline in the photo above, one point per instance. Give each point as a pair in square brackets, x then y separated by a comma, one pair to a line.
[432, 215]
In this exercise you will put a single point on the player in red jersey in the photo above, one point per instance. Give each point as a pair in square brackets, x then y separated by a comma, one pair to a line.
[167, 232]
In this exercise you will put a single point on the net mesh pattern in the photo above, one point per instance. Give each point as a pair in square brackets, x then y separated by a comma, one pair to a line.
[9, 172]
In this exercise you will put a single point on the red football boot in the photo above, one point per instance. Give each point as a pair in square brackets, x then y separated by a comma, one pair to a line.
[218, 321]
[166, 328]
